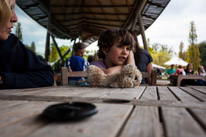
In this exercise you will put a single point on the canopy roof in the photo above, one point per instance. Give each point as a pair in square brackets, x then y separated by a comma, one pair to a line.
[86, 19]
[176, 61]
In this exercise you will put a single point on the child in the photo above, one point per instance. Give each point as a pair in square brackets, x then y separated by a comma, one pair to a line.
[77, 62]
[201, 72]
[115, 50]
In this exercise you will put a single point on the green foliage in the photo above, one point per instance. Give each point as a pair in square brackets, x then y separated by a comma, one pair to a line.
[160, 53]
[18, 31]
[193, 50]
[63, 49]
[53, 54]
[202, 49]
[194, 56]
[32, 47]
[192, 33]
[182, 54]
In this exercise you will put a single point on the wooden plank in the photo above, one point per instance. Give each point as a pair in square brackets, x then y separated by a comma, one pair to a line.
[99, 92]
[150, 93]
[127, 93]
[20, 112]
[165, 94]
[77, 74]
[183, 96]
[106, 123]
[65, 91]
[200, 115]
[23, 127]
[179, 123]
[202, 89]
[144, 122]
[201, 96]
[7, 105]
[32, 91]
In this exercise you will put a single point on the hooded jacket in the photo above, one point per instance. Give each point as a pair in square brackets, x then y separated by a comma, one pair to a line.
[21, 68]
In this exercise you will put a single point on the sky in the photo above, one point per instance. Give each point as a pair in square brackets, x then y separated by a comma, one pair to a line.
[170, 28]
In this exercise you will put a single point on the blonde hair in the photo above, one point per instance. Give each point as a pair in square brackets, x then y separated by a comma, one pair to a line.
[5, 11]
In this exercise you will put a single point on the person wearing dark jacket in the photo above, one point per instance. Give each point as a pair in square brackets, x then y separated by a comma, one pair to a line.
[19, 67]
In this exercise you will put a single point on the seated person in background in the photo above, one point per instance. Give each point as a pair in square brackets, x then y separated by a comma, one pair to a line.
[90, 58]
[159, 72]
[201, 72]
[115, 50]
[77, 62]
[19, 67]
[179, 71]
[143, 59]
[189, 70]
[171, 70]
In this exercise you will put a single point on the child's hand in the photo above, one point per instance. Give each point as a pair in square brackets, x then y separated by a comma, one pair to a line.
[130, 59]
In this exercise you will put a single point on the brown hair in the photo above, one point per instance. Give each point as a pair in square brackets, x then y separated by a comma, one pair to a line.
[78, 46]
[110, 36]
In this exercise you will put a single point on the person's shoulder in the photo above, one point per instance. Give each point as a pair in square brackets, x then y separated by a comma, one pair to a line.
[76, 58]
[98, 63]
[144, 51]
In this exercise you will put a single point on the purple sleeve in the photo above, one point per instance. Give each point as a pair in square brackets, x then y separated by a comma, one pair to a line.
[99, 63]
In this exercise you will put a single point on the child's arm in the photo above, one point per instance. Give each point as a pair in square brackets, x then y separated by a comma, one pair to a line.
[130, 59]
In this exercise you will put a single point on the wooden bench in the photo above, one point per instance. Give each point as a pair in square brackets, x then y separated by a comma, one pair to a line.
[179, 78]
[65, 74]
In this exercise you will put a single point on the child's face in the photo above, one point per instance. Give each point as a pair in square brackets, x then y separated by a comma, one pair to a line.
[117, 55]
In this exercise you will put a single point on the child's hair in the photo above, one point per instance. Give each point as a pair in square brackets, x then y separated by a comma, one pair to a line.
[110, 36]
[78, 46]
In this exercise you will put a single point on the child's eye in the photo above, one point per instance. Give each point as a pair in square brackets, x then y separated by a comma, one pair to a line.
[129, 48]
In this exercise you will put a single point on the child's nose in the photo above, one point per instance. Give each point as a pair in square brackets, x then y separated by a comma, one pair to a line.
[125, 51]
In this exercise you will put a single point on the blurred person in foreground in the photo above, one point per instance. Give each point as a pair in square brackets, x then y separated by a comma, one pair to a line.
[19, 67]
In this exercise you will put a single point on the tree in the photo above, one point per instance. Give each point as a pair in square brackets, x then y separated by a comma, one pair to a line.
[18, 31]
[162, 55]
[33, 47]
[192, 33]
[182, 54]
[193, 50]
[202, 49]
[54, 54]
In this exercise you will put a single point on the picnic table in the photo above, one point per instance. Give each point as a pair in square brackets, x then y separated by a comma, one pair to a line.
[144, 111]
[176, 79]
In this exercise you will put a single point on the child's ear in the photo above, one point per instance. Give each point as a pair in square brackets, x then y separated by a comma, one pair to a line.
[105, 51]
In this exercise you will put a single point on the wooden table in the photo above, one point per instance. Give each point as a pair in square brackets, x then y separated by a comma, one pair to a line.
[134, 112]
[179, 78]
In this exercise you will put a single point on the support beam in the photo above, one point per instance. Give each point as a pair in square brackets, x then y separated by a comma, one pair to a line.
[58, 50]
[139, 5]
[142, 30]
[47, 48]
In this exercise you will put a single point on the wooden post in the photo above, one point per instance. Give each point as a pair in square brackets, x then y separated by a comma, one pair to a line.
[154, 77]
[64, 76]
[47, 48]
[142, 30]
